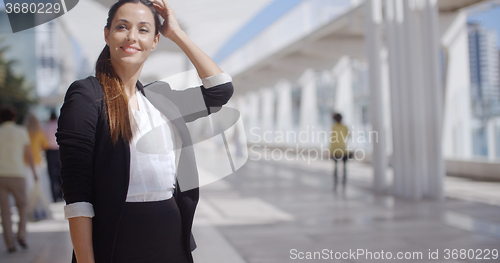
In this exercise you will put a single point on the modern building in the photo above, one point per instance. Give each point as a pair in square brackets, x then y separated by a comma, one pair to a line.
[21, 48]
[47, 56]
[484, 71]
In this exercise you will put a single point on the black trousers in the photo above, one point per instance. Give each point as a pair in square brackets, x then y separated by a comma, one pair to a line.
[54, 166]
[150, 232]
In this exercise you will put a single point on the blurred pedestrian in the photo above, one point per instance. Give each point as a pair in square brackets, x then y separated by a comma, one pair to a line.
[338, 150]
[52, 154]
[39, 144]
[15, 146]
[127, 201]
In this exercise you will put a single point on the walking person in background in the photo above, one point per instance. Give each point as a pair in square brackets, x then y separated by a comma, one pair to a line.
[38, 145]
[52, 155]
[338, 148]
[15, 146]
[126, 201]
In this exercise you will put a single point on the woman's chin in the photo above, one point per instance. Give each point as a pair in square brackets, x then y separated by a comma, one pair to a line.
[130, 61]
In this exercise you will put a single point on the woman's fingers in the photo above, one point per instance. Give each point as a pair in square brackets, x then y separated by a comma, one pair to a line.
[163, 8]
[159, 6]
[170, 24]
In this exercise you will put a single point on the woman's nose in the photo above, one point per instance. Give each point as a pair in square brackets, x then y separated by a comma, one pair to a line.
[131, 36]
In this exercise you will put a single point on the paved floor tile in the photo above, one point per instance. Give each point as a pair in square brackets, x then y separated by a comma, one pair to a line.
[275, 211]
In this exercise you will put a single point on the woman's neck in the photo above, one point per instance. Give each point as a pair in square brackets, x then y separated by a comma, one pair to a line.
[129, 76]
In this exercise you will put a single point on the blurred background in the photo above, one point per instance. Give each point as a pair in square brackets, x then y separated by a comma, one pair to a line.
[417, 83]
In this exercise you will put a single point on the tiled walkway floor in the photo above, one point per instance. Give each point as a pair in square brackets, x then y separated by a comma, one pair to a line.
[268, 208]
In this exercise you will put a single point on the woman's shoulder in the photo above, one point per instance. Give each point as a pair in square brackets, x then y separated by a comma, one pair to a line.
[88, 86]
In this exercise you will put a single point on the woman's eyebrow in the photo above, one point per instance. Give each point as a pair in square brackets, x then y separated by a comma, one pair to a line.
[124, 20]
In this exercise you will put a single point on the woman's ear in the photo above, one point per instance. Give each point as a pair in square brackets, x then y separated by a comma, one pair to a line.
[155, 41]
[106, 35]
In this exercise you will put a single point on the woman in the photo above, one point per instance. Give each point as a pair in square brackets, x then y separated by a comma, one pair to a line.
[125, 204]
[52, 155]
[39, 144]
[338, 150]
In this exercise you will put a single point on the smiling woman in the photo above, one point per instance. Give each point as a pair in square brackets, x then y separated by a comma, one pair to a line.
[124, 205]
[131, 33]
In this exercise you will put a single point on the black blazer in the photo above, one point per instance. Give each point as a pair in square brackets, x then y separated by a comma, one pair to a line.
[96, 171]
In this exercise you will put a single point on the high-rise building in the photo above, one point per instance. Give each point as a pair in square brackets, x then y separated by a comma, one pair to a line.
[484, 71]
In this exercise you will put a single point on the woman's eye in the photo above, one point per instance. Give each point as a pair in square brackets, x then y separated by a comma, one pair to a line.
[121, 27]
[144, 30]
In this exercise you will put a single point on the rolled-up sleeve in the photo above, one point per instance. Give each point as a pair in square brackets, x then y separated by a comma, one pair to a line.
[76, 138]
[216, 91]
[78, 209]
[216, 80]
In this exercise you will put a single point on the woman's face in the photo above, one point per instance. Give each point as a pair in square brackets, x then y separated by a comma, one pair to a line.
[132, 34]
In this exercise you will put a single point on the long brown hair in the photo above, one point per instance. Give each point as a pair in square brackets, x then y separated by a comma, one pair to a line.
[114, 92]
[32, 124]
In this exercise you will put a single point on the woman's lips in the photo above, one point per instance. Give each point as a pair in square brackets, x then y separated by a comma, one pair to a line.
[130, 50]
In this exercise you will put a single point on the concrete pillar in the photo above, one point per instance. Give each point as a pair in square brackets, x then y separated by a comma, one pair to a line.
[457, 132]
[491, 139]
[413, 35]
[253, 128]
[308, 105]
[397, 161]
[416, 98]
[434, 96]
[344, 97]
[402, 60]
[373, 20]
[267, 114]
[284, 118]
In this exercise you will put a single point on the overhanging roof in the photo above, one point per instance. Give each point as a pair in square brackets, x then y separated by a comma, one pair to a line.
[208, 23]
[319, 50]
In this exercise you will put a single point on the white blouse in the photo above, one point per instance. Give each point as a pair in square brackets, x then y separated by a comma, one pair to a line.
[152, 165]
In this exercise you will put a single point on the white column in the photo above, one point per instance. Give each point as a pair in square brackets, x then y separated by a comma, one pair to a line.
[267, 114]
[308, 105]
[253, 128]
[416, 103]
[491, 139]
[386, 101]
[284, 118]
[434, 97]
[395, 99]
[344, 98]
[457, 132]
[373, 19]
[402, 73]
[416, 98]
